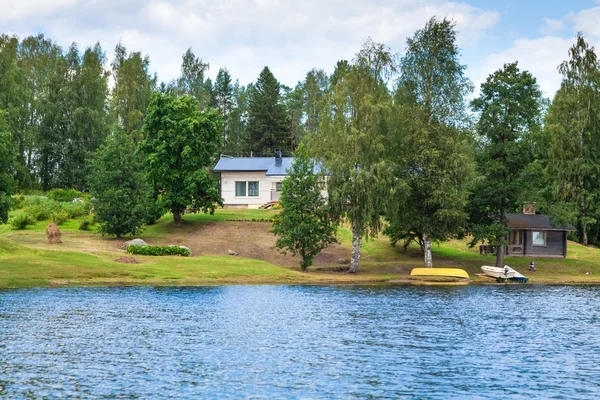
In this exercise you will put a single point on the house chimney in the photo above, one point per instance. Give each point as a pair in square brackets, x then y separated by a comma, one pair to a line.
[529, 208]
[277, 157]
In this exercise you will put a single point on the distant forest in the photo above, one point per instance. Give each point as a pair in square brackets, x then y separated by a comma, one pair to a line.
[506, 147]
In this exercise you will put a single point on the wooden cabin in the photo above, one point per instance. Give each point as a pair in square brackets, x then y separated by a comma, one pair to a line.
[533, 235]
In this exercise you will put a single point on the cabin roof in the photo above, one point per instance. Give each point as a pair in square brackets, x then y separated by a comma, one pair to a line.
[258, 164]
[535, 221]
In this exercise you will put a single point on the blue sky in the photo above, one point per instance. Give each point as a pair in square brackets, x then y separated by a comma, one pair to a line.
[292, 37]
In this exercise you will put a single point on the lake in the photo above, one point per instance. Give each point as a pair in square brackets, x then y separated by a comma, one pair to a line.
[263, 342]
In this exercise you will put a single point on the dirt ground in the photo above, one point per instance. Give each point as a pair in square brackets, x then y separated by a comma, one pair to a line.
[249, 239]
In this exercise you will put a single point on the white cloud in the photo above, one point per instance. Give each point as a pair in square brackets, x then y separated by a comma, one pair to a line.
[552, 26]
[539, 56]
[244, 35]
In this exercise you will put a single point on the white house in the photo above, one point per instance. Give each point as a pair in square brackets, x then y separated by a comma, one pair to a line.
[253, 181]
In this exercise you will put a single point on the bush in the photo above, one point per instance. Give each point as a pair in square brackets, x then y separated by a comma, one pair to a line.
[85, 223]
[20, 220]
[66, 195]
[41, 208]
[18, 201]
[158, 250]
[75, 210]
[59, 217]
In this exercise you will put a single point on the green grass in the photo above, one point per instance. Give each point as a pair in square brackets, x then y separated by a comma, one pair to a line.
[25, 266]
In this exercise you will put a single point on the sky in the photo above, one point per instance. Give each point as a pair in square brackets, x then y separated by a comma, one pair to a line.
[291, 37]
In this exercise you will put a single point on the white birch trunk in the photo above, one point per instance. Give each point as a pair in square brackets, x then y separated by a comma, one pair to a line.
[427, 251]
[356, 247]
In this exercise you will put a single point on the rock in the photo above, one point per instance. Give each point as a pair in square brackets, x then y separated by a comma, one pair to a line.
[343, 261]
[232, 253]
[135, 242]
[187, 248]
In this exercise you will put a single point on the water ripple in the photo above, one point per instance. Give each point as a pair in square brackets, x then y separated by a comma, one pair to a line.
[264, 342]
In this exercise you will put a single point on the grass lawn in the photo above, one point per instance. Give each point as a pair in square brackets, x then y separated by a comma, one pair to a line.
[87, 258]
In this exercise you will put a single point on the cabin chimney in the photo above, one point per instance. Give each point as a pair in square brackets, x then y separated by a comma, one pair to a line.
[529, 208]
[277, 157]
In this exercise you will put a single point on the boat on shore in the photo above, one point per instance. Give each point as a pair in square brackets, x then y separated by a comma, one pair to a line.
[496, 272]
[446, 272]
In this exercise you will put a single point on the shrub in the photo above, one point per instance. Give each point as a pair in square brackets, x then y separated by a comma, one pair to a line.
[20, 220]
[85, 223]
[66, 195]
[75, 210]
[158, 250]
[18, 201]
[42, 209]
[59, 217]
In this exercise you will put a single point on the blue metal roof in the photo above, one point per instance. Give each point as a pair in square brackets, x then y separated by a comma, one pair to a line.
[254, 164]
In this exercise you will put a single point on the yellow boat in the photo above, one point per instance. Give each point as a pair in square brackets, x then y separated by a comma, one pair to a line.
[449, 272]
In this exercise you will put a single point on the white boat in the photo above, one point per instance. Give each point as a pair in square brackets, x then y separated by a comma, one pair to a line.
[495, 272]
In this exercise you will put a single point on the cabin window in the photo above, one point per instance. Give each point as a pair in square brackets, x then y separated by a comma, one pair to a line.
[278, 186]
[539, 238]
[515, 238]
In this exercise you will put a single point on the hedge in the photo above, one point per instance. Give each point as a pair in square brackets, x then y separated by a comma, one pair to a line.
[158, 250]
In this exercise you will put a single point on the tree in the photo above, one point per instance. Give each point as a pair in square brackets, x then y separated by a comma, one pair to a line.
[180, 144]
[133, 86]
[6, 165]
[119, 187]
[315, 86]
[431, 153]
[268, 124]
[237, 137]
[509, 107]
[573, 121]
[303, 226]
[352, 142]
[192, 80]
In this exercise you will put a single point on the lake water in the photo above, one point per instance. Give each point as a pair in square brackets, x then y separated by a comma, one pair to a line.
[268, 342]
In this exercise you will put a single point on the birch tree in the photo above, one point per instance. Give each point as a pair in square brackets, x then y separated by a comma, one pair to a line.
[352, 142]
[574, 123]
[437, 166]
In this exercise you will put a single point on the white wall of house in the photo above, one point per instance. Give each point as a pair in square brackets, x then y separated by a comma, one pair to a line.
[266, 185]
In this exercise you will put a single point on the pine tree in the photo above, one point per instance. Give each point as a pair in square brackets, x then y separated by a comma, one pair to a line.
[268, 124]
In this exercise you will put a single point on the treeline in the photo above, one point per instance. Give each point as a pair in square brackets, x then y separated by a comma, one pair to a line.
[60, 104]
[399, 136]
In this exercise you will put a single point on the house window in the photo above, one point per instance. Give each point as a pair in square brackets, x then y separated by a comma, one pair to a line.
[253, 189]
[243, 189]
[240, 189]
[278, 186]
[539, 238]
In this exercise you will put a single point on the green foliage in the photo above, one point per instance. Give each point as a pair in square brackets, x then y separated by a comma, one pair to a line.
[20, 220]
[573, 121]
[118, 185]
[158, 250]
[41, 208]
[303, 226]
[85, 223]
[131, 93]
[6, 164]
[267, 120]
[18, 200]
[352, 142]
[75, 210]
[180, 144]
[430, 151]
[509, 107]
[65, 195]
[59, 217]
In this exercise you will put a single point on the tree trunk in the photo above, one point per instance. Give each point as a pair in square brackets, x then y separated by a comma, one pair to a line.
[584, 236]
[176, 215]
[500, 256]
[427, 251]
[356, 247]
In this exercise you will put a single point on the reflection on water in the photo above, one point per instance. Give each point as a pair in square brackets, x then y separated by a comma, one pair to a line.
[296, 341]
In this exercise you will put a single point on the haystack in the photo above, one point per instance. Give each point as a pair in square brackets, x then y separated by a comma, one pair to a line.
[53, 234]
